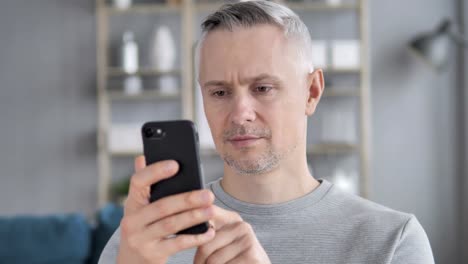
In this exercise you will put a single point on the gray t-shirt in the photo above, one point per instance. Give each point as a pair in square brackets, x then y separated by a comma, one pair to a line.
[326, 225]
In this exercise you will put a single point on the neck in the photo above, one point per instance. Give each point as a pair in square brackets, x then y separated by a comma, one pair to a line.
[290, 180]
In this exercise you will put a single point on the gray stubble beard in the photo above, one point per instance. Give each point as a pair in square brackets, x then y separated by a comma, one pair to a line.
[267, 162]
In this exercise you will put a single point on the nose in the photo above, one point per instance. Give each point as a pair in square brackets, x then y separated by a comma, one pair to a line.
[242, 109]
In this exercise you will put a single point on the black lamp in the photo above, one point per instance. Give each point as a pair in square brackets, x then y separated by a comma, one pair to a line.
[433, 47]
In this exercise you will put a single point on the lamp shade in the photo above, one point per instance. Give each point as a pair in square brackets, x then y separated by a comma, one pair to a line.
[434, 47]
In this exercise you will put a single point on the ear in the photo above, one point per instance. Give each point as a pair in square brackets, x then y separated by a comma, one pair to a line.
[315, 86]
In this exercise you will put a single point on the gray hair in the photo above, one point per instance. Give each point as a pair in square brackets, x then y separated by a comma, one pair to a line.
[250, 13]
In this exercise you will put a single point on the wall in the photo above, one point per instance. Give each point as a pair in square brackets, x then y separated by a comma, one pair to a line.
[414, 122]
[463, 177]
[47, 106]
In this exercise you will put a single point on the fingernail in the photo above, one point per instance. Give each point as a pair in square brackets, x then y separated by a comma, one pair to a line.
[170, 165]
[205, 196]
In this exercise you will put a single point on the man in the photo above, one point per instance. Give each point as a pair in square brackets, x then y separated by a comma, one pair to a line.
[259, 87]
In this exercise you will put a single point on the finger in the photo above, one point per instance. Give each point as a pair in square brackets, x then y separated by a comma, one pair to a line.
[224, 237]
[224, 217]
[140, 182]
[183, 242]
[229, 252]
[140, 163]
[173, 224]
[240, 258]
[154, 173]
[171, 205]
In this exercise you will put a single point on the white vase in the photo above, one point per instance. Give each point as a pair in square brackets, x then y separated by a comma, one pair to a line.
[129, 53]
[334, 2]
[122, 4]
[163, 51]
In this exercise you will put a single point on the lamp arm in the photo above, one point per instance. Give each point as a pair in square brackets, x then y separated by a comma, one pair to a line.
[459, 39]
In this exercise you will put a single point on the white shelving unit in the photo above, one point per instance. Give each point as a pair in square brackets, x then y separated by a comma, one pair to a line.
[187, 11]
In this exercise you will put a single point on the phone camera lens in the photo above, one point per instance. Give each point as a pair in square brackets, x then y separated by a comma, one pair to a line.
[149, 132]
[159, 133]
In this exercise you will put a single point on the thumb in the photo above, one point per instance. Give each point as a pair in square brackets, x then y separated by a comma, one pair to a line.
[222, 217]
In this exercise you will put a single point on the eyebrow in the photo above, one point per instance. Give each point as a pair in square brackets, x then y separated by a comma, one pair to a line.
[260, 77]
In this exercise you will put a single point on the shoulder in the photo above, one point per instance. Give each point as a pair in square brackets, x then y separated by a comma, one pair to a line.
[367, 219]
[379, 227]
[398, 231]
[357, 208]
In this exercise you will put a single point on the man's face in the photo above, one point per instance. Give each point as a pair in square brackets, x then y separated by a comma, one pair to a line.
[255, 95]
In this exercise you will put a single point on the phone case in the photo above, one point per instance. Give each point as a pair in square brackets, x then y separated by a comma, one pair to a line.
[177, 140]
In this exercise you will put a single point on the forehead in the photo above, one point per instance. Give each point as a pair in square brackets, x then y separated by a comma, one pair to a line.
[245, 51]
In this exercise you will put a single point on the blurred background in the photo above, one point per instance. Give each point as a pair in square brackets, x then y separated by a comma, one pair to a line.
[79, 78]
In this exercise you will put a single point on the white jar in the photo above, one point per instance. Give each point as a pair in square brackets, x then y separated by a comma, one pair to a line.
[122, 4]
[129, 53]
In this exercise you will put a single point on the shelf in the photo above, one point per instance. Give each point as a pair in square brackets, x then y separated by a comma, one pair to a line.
[207, 7]
[210, 7]
[127, 153]
[332, 148]
[331, 93]
[145, 95]
[321, 6]
[145, 8]
[342, 70]
[112, 71]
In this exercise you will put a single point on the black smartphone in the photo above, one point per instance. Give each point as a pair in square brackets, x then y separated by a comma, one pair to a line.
[176, 140]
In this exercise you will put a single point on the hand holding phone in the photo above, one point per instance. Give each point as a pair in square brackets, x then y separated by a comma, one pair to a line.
[145, 227]
[175, 140]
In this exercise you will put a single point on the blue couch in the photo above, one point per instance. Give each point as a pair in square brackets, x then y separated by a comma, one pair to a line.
[57, 239]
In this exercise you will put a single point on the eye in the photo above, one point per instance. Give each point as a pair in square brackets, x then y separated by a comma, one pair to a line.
[263, 89]
[219, 93]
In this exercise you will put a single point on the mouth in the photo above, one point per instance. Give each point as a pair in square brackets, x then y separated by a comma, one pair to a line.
[243, 141]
